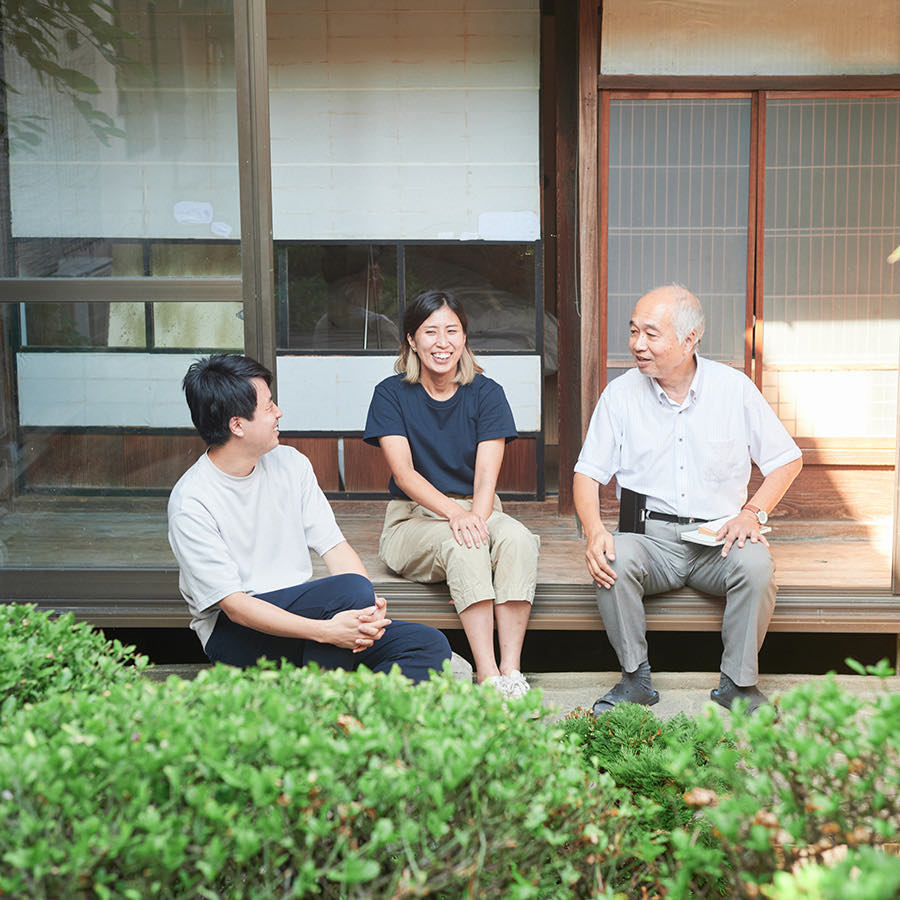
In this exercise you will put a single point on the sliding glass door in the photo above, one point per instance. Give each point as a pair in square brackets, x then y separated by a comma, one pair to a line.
[679, 193]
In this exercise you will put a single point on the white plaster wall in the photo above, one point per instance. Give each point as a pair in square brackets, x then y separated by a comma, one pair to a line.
[403, 120]
[332, 393]
[389, 120]
[179, 144]
[766, 37]
[138, 390]
[143, 390]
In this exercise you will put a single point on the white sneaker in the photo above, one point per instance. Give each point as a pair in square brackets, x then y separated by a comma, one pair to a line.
[517, 685]
[500, 683]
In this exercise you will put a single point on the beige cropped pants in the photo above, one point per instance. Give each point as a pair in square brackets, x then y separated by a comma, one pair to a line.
[418, 544]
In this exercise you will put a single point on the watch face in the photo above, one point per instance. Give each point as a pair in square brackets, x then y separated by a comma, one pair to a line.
[762, 516]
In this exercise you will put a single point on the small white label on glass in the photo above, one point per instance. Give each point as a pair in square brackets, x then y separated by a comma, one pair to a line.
[192, 212]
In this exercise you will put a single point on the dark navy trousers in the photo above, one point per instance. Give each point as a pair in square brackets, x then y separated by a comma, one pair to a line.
[416, 649]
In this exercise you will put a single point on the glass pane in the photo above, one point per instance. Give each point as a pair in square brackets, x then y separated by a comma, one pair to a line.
[678, 212]
[79, 258]
[122, 162]
[494, 282]
[71, 325]
[338, 297]
[90, 445]
[195, 258]
[210, 326]
[405, 121]
[216, 326]
[123, 127]
[832, 301]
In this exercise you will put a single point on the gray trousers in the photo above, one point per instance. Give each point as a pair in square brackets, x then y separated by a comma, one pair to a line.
[660, 561]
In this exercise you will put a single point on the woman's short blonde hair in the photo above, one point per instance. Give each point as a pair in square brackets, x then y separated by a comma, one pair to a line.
[428, 302]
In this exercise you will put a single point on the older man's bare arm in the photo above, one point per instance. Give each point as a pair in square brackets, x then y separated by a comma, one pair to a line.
[745, 524]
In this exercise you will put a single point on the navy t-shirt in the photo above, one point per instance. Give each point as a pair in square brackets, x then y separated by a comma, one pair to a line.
[443, 435]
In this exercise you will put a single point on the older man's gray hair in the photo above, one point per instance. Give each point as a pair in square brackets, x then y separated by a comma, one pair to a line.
[688, 314]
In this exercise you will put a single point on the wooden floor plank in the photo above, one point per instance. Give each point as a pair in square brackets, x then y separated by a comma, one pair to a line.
[132, 534]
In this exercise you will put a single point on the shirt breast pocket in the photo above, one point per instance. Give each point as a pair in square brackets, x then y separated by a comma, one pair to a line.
[641, 457]
[721, 460]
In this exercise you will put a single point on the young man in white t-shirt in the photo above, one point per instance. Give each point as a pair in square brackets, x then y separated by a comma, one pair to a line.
[242, 520]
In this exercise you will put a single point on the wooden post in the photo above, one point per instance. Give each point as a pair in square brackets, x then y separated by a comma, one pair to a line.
[588, 208]
[895, 557]
[566, 242]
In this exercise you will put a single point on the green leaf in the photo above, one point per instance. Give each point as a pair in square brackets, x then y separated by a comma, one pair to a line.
[857, 667]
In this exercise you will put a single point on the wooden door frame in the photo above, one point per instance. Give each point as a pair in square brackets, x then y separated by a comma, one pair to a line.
[583, 318]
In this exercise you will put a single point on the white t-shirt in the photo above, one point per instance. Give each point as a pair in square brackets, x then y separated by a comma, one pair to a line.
[691, 459]
[250, 533]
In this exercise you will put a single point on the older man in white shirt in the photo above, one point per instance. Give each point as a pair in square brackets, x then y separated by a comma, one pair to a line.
[681, 431]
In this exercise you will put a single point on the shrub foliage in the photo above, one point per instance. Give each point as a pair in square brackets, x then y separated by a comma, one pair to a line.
[670, 851]
[41, 654]
[744, 808]
[294, 782]
[284, 782]
[811, 777]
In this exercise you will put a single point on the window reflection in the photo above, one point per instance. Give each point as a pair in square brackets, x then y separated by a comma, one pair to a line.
[338, 297]
[130, 325]
[78, 258]
[120, 122]
[347, 296]
[495, 284]
[84, 325]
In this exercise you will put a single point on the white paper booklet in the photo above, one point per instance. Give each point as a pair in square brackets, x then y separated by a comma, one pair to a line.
[706, 533]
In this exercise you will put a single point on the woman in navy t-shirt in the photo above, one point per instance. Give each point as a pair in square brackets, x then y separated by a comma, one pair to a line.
[443, 428]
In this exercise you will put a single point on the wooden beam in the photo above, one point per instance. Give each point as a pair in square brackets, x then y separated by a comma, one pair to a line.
[566, 242]
[588, 217]
[758, 225]
[868, 84]
[895, 553]
[752, 231]
[556, 607]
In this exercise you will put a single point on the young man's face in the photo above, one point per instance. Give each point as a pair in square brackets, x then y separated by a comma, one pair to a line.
[260, 434]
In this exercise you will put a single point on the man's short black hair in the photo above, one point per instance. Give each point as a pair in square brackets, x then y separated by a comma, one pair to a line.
[218, 388]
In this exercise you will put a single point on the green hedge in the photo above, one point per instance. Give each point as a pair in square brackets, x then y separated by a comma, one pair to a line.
[654, 759]
[864, 874]
[671, 852]
[283, 782]
[294, 782]
[819, 770]
[732, 807]
[41, 654]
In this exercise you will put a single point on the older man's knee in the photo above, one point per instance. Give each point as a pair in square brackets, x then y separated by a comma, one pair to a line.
[629, 554]
[753, 562]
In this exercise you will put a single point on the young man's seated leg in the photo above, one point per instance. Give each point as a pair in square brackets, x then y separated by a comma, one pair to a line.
[416, 649]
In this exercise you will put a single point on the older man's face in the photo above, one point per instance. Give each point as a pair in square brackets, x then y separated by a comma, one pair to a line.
[653, 342]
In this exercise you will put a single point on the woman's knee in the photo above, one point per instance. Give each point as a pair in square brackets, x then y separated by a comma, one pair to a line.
[515, 542]
[520, 543]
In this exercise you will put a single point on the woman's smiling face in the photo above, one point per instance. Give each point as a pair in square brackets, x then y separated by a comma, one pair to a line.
[439, 343]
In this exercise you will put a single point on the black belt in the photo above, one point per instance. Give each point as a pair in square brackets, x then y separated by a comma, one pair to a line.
[674, 520]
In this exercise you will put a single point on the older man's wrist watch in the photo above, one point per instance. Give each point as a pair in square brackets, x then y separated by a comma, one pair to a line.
[761, 515]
